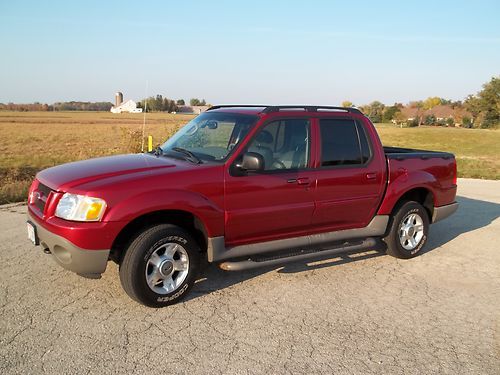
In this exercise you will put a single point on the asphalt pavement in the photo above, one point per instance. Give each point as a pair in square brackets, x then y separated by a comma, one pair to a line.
[367, 313]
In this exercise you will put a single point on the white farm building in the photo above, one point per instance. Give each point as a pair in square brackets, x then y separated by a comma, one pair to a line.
[120, 106]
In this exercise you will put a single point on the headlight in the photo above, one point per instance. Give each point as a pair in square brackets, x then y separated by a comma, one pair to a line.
[80, 208]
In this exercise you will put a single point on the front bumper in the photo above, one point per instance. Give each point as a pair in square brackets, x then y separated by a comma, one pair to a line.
[443, 212]
[89, 263]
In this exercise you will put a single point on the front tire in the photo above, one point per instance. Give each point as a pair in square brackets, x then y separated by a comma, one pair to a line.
[408, 230]
[160, 266]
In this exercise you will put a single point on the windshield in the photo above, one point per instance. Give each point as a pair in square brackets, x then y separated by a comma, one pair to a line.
[210, 136]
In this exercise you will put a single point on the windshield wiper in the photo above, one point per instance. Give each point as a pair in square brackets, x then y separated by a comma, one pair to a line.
[190, 156]
[158, 151]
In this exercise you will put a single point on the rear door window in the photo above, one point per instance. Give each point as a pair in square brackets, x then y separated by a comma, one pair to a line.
[343, 143]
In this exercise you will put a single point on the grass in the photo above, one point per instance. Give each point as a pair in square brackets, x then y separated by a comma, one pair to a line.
[31, 141]
[477, 150]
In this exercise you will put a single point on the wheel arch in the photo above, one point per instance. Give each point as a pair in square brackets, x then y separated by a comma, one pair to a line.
[184, 219]
[421, 195]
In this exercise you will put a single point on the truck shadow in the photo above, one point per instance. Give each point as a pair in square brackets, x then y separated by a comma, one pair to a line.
[471, 215]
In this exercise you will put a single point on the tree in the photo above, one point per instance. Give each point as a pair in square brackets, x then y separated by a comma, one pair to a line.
[197, 102]
[181, 102]
[399, 118]
[485, 106]
[157, 103]
[431, 102]
[390, 112]
[347, 103]
[375, 111]
[172, 106]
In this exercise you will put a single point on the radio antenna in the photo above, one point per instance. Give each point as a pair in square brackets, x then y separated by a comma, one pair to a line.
[144, 118]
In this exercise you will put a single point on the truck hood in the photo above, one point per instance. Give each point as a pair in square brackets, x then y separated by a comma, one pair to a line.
[77, 173]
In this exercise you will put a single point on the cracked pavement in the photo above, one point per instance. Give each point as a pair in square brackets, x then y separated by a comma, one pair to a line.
[368, 313]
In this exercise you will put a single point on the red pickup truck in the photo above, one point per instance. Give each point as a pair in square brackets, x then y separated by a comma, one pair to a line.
[242, 186]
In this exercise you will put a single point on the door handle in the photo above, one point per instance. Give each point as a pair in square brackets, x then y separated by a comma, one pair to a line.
[299, 181]
[371, 176]
[303, 181]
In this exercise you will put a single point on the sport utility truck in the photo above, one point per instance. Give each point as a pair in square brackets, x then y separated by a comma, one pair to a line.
[243, 187]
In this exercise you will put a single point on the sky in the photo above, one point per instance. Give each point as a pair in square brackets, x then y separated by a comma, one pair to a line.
[249, 52]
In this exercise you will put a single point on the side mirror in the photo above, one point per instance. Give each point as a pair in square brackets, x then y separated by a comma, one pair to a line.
[251, 162]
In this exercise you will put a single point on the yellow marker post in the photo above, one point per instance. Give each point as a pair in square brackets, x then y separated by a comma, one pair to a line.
[150, 143]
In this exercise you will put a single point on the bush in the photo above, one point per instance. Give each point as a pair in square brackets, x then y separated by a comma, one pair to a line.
[466, 122]
[15, 183]
[131, 140]
[430, 120]
[413, 123]
[450, 121]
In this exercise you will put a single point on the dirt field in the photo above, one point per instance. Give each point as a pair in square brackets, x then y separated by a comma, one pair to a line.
[363, 314]
[35, 140]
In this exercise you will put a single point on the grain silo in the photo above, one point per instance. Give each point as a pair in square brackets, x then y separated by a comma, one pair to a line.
[118, 99]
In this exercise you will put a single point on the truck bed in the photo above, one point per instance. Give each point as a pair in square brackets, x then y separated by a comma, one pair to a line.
[399, 153]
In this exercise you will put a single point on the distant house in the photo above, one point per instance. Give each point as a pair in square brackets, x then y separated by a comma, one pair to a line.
[129, 106]
[410, 113]
[440, 112]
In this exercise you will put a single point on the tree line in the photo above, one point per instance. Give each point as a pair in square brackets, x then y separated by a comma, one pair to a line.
[479, 110]
[158, 103]
[58, 106]
[155, 103]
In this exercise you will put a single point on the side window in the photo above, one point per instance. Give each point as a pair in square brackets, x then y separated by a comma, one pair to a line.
[283, 144]
[343, 142]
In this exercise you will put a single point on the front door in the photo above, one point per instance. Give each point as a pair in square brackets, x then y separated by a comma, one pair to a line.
[278, 201]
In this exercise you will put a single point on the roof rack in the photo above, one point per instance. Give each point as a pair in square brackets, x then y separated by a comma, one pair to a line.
[237, 105]
[312, 108]
[277, 108]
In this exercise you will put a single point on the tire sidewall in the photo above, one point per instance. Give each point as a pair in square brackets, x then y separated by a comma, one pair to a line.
[405, 210]
[170, 234]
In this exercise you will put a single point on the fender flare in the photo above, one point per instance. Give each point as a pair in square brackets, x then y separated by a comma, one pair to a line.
[404, 183]
[196, 204]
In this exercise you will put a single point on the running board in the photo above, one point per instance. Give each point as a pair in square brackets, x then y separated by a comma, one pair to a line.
[217, 250]
[292, 256]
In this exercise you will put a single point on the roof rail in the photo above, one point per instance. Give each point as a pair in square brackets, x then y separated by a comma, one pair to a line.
[312, 108]
[277, 108]
[237, 105]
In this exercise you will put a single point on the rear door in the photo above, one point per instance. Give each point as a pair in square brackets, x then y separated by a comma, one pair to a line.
[350, 178]
[278, 201]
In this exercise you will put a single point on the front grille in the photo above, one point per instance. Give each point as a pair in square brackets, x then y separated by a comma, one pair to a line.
[41, 198]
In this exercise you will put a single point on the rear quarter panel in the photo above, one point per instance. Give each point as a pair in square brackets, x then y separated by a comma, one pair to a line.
[438, 175]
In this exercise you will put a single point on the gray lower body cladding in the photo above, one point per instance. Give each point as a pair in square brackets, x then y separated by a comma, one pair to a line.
[88, 263]
[218, 252]
[443, 212]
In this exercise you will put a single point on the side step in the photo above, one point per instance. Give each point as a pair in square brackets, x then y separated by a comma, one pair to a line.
[292, 256]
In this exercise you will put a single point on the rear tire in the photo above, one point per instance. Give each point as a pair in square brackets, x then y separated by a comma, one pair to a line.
[408, 230]
[160, 266]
